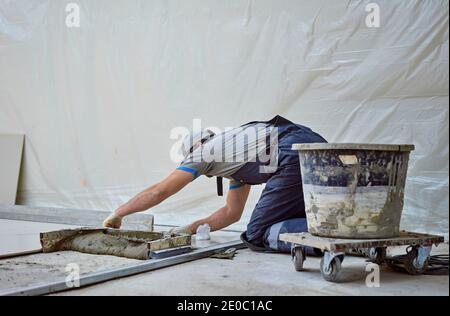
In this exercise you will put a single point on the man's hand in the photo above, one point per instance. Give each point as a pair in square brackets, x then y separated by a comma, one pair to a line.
[229, 214]
[113, 221]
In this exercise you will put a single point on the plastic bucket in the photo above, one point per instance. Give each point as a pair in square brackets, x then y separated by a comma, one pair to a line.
[354, 190]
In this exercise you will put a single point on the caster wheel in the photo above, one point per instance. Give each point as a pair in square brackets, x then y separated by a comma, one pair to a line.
[299, 258]
[412, 264]
[377, 255]
[331, 273]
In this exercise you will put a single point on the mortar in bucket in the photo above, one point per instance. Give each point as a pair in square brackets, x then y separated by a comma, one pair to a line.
[354, 190]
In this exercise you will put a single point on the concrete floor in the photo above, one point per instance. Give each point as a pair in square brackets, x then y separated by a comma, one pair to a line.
[249, 273]
[253, 273]
[25, 271]
[31, 270]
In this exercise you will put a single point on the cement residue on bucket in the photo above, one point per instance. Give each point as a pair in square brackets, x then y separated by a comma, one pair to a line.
[354, 191]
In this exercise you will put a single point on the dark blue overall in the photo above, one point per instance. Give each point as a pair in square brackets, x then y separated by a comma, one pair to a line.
[281, 208]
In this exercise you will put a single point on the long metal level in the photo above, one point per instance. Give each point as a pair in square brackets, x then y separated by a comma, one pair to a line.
[73, 217]
[108, 275]
[20, 254]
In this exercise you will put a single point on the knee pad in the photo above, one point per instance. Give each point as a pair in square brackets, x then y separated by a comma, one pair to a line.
[272, 234]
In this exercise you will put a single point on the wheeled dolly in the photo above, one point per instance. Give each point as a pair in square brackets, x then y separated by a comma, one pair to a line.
[334, 250]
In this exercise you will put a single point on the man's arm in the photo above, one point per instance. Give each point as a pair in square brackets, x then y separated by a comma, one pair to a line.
[156, 194]
[227, 215]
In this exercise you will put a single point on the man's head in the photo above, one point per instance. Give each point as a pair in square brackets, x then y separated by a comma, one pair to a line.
[194, 140]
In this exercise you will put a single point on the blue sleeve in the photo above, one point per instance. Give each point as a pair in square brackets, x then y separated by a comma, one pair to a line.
[196, 168]
[194, 172]
[235, 185]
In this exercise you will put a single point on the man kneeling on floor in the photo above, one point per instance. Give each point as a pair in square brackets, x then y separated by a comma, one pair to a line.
[253, 154]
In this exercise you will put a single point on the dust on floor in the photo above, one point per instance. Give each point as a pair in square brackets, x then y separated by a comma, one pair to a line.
[252, 273]
[36, 269]
[43, 268]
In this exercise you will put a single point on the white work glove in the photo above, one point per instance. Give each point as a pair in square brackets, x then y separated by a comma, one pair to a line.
[113, 221]
[181, 230]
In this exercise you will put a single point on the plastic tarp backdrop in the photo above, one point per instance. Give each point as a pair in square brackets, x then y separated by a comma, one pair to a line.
[98, 102]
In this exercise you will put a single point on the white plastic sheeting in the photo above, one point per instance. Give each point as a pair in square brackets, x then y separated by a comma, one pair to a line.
[98, 103]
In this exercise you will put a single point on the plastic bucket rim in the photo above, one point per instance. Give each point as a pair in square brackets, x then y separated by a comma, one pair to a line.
[354, 146]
